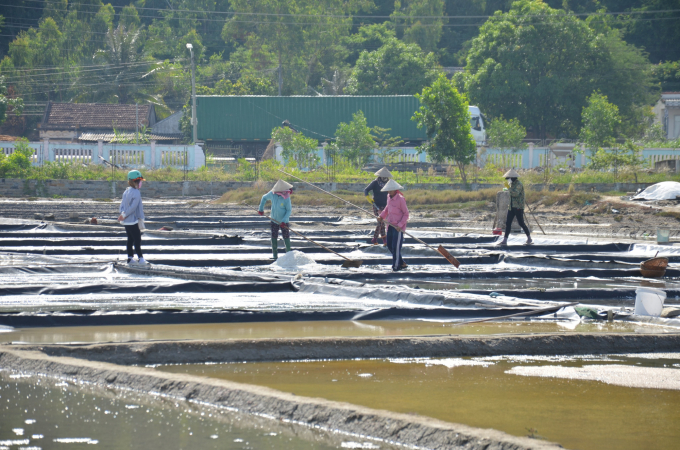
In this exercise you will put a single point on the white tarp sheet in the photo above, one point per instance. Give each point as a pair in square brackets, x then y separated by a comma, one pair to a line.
[666, 190]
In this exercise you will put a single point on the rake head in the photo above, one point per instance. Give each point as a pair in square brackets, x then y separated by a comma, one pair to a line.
[449, 257]
[351, 263]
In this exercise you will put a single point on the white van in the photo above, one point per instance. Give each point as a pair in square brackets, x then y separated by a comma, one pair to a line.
[477, 123]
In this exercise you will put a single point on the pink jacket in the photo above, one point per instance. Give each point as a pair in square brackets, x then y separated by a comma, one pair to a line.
[396, 211]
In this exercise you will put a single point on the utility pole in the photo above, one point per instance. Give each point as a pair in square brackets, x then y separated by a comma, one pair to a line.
[193, 93]
[280, 80]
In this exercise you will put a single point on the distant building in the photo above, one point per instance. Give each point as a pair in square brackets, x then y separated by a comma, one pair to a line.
[92, 122]
[667, 112]
[241, 126]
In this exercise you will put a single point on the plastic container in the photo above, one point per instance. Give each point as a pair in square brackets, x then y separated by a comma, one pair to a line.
[662, 235]
[649, 301]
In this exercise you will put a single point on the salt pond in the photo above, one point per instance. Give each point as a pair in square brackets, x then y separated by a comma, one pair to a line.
[481, 392]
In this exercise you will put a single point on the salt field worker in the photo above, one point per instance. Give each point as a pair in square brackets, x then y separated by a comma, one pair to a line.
[516, 206]
[396, 213]
[281, 209]
[379, 201]
[132, 216]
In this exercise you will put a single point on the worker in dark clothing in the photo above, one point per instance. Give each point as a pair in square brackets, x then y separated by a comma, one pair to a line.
[379, 201]
[516, 206]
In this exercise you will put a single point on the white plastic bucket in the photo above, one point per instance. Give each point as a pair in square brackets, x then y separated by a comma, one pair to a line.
[649, 301]
[662, 235]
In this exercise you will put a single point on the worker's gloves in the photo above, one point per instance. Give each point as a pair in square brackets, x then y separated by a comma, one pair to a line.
[283, 225]
[261, 213]
[369, 199]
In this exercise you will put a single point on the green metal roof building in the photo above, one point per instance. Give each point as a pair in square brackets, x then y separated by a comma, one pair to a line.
[246, 122]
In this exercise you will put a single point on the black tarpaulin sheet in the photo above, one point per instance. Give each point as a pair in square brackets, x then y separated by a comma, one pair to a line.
[476, 273]
[68, 242]
[44, 268]
[570, 294]
[165, 317]
[149, 288]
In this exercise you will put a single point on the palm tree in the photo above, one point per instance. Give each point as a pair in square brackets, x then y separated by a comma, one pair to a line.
[126, 67]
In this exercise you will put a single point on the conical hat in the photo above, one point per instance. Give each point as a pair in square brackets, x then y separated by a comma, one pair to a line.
[281, 186]
[383, 173]
[391, 186]
[511, 174]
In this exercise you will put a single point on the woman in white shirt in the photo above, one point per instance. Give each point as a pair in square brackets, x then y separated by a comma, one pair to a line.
[132, 216]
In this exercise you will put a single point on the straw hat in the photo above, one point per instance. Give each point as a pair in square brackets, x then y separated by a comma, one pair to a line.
[281, 186]
[383, 173]
[511, 174]
[391, 186]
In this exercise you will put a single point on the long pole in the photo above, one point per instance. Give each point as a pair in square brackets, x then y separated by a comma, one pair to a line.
[441, 249]
[313, 242]
[193, 96]
[534, 216]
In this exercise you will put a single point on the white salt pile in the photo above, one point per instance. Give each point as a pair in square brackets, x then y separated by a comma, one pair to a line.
[292, 260]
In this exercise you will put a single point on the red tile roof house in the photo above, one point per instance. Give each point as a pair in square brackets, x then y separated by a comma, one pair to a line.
[92, 122]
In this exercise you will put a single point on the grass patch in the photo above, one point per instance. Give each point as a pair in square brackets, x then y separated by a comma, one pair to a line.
[106, 200]
[417, 199]
[618, 218]
[673, 214]
[556, 198]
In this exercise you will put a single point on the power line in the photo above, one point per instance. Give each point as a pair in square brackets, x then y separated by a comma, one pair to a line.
[344, 16]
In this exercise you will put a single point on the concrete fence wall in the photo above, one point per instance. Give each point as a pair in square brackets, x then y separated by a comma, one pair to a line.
[155, 189]
[132, 156]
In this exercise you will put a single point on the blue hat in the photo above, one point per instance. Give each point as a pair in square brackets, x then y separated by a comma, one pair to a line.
[135, 175]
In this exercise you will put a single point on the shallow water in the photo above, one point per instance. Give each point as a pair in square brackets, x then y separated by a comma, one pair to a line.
[330, 328]
[581, 414]
[41, 415]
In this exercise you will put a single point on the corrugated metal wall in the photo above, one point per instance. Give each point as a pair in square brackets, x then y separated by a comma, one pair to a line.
[253, 117]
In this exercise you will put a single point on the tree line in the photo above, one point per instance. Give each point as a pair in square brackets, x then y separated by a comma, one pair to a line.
[531, 61]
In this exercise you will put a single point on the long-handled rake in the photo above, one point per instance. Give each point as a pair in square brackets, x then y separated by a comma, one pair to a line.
[347, 263]
[441, 250]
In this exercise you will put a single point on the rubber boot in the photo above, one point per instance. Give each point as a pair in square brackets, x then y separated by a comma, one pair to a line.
[287, 242]
[275, 248]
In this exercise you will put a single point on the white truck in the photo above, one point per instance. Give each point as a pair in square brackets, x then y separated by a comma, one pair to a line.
[478, 126]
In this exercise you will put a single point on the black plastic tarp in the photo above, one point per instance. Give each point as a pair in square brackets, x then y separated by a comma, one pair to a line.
[164, 317]
[149, 288]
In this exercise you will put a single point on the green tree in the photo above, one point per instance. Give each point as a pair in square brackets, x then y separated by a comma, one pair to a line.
[367, 38]
[301, 37]
[354, 140]
[445, 116]
[601, 127]
[506, 135]
[667, 75]
[601, 122]
[424, 32]
[660, 35]
[386, 146]
[16, 104]
[539, 64]
[126, 66]
[296, 146]
[393, 69]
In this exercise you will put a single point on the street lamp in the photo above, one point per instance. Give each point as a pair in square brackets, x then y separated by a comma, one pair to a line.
[193, 93]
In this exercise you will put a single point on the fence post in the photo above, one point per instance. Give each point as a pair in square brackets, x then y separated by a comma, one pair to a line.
[46, 150]
[531, 155]
[583, 155]
[198, 157]
[152, 160]
[100, 152]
